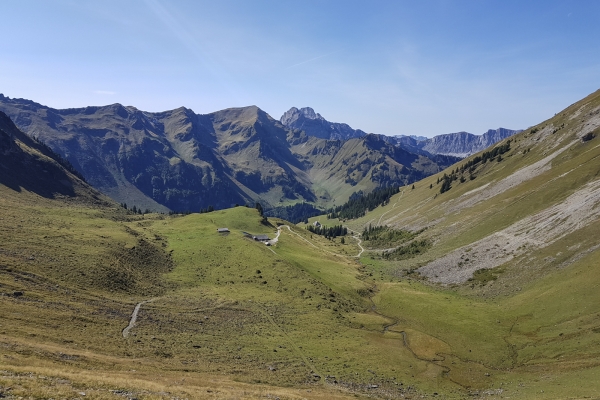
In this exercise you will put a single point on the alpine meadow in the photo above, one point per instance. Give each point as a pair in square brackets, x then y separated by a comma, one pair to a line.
[162, 238]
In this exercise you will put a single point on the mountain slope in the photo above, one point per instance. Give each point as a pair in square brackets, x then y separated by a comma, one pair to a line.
[503, 272]
[548, 173]
[340, 168]
[179, 160]
[28, 165]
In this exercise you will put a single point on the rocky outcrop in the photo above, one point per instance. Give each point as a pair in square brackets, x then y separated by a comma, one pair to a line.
[313, 124]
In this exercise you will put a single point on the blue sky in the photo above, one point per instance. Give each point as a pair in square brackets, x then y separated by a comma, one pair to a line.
[392, 67]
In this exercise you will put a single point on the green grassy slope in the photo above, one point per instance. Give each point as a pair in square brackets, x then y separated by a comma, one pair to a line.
[247, 318]
[506, 297]
[225, 314]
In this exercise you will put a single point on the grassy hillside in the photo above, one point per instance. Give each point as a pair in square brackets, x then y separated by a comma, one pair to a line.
[232, 316]
[235, 318]
[507, 291]
[219, 316]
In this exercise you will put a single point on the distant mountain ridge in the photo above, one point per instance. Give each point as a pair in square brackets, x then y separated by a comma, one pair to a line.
[459, 144]
[182, 161]
[463, 144]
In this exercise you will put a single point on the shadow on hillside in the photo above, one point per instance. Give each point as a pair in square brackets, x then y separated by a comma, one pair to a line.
[22, 171]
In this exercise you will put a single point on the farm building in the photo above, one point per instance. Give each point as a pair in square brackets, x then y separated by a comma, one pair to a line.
[222, 230]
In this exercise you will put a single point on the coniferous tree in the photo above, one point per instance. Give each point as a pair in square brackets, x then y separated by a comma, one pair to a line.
[358, 204]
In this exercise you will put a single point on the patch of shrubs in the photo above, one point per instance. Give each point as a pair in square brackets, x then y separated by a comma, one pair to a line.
[409, 250]
[385, 235]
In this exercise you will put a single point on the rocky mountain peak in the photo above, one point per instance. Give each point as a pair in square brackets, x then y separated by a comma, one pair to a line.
[310, 113]
[313, 124]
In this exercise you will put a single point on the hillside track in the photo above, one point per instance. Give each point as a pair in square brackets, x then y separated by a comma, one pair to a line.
[134, 316]
[356, 236]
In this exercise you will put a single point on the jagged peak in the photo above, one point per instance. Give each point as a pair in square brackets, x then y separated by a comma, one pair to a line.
[294, 113]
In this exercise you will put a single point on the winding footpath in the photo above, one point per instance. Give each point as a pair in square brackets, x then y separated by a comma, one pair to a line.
[289, 229]
[358, 242]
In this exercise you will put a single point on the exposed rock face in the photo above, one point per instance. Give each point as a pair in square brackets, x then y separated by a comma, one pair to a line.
[463, 144]
[313, 124]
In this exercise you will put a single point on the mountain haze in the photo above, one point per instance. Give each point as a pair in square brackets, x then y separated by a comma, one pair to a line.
[463, 144]
[459, 144]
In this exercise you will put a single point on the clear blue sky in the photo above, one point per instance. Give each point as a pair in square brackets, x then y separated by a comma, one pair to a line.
[394, 67]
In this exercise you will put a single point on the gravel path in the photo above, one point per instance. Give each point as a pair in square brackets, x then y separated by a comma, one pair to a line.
[133, 319]
[289, 229]
[356, 236]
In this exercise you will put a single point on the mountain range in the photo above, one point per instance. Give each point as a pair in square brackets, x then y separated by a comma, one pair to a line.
[180, 161]
[459, 144]
[307, 120]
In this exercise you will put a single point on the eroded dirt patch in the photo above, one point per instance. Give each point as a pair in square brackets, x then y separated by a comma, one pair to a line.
[536, 231]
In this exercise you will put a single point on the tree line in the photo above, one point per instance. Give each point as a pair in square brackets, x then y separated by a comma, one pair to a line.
[471, 165]
[358, 204]
[299, 212]
[328, 232]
